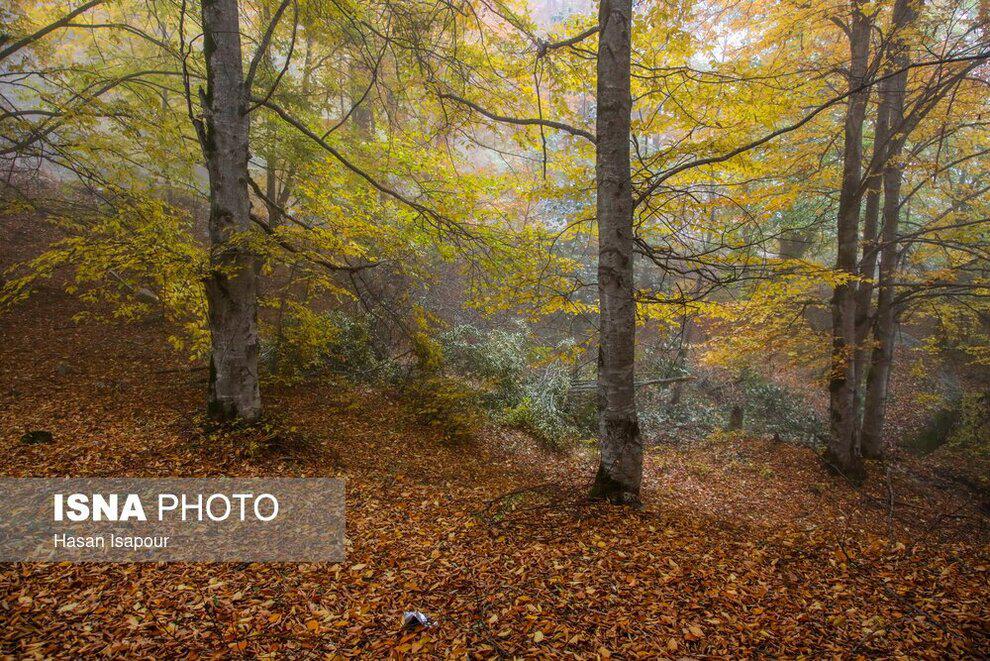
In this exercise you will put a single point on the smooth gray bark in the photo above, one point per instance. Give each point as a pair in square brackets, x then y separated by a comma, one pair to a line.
[885, 328]
[620, 470]
[842, 452]
[870, 241]
[232, 284]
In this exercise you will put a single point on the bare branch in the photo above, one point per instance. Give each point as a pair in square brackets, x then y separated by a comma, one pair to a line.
[544, 47]
[710, 160]
[560, 126]
[437, 219]
[263, 46]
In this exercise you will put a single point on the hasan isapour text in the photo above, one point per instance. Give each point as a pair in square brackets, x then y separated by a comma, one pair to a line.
[61, 541]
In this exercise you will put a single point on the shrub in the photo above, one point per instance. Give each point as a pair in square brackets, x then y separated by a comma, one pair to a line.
[972, 429]
[691, 418]
[771, 408]
[767, 406]
[308, 342]
[444, 402]
[543, 409]
[448, 405]
[534, 400]
[496, 358]
[468, 372]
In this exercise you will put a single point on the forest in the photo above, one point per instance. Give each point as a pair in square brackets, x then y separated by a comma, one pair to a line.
[634, 329]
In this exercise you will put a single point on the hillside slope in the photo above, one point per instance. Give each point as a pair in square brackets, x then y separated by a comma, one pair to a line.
[743, 547]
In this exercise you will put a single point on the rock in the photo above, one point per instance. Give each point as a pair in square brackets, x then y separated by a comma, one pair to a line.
[37, 437]
[62, 369]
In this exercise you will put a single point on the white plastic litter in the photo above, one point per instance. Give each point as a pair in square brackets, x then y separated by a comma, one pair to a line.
[416, 619]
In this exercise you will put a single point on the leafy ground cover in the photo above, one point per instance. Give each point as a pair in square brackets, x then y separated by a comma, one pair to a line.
[745, 546]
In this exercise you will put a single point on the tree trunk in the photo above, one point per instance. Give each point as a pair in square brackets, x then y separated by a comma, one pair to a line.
[843, 453]
[870, 241]
[272, 193]
[363, 113]
[231, 287]
[687, 330]
[620, 471]
[736, 417]
[687, 325]
[885, 329]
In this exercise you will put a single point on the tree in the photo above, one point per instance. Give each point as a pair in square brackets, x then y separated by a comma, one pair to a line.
[620, 468]
[422, 163]
[6, 50]
[232, 283]
[843, 453]
[894, 136]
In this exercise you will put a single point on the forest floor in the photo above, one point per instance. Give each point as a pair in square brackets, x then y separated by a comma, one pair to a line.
[743, 548]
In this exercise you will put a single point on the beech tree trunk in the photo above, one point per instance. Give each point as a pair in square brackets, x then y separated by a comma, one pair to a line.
[363, 113]
[736, 417]
[843, 453]
[272, 193]
[231, 287]
[885, 328]
[870, 242]
[620, 471]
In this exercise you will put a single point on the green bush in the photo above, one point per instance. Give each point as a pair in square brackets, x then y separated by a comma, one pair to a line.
[544, 409]
[972, 429]
[533, 399]
[768, 408]
[307, 342]
[692, 417]
[447, 404]
[771, 408]
[497, 359]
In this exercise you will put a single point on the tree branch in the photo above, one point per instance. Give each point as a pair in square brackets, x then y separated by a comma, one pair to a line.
[31, 38]
[560, 126]
[263, 46]
[544, 47]
[710, 160]
[437, 219]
